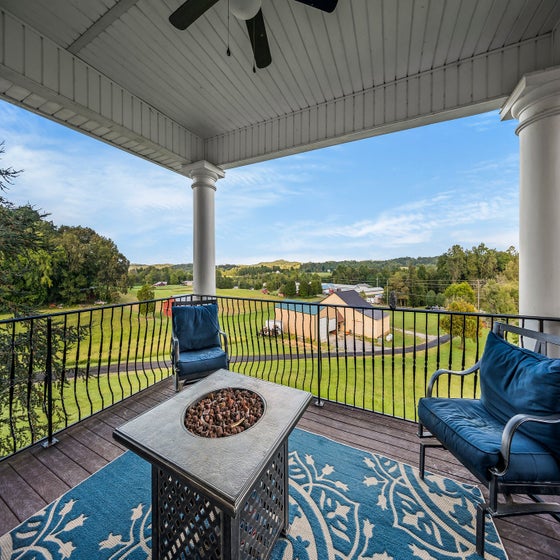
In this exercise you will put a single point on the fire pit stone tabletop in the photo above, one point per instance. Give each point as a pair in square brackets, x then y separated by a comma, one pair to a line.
[227, 473]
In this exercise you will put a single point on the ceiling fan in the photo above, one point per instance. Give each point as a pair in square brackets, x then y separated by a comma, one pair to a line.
[248, 10]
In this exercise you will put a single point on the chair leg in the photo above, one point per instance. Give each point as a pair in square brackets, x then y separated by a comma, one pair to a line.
[422, 465]
[176, 383]
[480, 528]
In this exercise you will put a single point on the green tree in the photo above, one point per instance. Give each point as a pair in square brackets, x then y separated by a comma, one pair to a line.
[461, 326]
[500, 297]
[315, 287]
[398, 283]
[146, 293]
[462, 291]
[24, 265]
[89, 267]
[453, 263]
[289, 288]
[430, 298]
[304, 289]
[481, 262]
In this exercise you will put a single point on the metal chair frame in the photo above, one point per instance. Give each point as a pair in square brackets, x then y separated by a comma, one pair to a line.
[496, 486]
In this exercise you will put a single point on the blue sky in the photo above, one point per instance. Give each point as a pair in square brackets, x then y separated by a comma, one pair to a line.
[411, 193]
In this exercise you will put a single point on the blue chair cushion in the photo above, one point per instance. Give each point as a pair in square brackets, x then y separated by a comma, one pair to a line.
[515, 380]
[465, 428]
[196, 326]
[192, 363]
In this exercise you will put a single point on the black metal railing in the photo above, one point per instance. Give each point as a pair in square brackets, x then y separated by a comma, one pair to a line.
[60, 368]
[57, 369]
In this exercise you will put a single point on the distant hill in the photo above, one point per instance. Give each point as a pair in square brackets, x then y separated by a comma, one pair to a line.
[282, 264]
[400, 261]
[136, 266]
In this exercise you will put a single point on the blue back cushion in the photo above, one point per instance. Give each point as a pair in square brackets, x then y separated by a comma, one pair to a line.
[196, 326]
[515, 380]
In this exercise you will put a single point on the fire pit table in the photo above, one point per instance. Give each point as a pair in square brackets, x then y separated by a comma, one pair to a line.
[217, 497]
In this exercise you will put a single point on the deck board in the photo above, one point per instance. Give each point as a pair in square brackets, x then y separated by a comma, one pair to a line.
[35, 477]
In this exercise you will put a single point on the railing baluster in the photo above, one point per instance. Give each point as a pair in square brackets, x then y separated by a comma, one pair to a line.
[63, 405]
[319, 402]
[11, 388]
[48, 382]
[341, 368]
[76, 374]
[30, 384]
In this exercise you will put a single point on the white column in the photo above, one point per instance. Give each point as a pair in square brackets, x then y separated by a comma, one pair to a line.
[204, 176]
[535, 102]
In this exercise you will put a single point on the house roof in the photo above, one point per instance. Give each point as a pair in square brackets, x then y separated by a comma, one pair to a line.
[352, 299]
[300, 307]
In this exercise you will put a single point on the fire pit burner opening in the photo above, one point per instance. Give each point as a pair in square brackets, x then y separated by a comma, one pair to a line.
[224, 412]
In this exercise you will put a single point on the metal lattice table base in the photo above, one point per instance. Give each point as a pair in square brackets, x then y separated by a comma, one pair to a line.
[187, 525]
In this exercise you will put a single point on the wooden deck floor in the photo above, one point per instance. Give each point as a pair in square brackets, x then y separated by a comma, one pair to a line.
[37, 476]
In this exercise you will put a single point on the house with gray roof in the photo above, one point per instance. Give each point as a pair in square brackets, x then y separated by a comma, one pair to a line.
[357, 316]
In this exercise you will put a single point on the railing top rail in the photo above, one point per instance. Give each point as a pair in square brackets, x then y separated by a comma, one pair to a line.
[492, 316]
[81, 310]
[480, 314]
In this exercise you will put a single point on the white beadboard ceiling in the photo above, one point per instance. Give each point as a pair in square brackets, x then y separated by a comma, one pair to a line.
[119, 71]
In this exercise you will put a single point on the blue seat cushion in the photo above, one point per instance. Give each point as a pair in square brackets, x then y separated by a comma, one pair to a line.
[515, 380]
[196, 326]
[192, 363]
[466, 428]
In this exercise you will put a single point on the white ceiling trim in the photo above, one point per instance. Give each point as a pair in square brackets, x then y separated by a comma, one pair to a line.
[475, 85]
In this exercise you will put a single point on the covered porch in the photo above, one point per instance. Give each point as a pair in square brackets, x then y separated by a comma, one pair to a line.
[118, 71]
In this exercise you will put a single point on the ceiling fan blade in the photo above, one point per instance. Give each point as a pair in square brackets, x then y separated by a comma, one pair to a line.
[259, 40]
[323, 5]
[189, 12]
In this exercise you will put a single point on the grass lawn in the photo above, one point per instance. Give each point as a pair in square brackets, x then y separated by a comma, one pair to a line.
[128, 341]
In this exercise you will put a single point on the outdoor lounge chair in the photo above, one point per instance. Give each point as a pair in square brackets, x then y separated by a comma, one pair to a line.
[196, 342]
[510, 437]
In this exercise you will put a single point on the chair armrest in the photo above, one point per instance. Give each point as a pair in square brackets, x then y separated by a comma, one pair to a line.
[440, 372]
[174, 349]
[509, 431]
[224, 336]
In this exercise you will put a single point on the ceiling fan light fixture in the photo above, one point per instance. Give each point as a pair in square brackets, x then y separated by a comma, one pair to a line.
[245, 9]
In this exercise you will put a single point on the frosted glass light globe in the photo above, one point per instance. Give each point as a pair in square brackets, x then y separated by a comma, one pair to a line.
[244, 9]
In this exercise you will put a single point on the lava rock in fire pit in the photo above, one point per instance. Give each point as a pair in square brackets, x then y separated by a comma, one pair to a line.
[224, 413]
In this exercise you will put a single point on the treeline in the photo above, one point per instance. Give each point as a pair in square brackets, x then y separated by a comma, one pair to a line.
[140, 275]
[288, 282]
[329, 266]
[491, 277]
[43, 264]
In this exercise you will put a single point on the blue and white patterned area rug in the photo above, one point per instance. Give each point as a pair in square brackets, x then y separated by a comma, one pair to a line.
[344, 504]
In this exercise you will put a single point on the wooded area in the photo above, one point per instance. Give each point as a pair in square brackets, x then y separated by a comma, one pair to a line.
[43, 264]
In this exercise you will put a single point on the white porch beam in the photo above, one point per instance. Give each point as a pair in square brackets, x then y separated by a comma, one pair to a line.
[204, 175]
[535, 103]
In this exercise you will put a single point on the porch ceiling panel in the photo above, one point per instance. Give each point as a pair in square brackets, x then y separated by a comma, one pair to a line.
[119, 71]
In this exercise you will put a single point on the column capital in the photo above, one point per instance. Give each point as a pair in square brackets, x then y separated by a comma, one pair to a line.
[204, 172]
[536, 96]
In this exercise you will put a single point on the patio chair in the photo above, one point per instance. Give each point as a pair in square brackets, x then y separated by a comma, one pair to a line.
[510, 437]
[199, 346]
